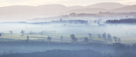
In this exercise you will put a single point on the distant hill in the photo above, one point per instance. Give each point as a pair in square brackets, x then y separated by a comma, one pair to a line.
[88, 10]
[52, 8]
[96, 8]
[106, 5]
[76, 7]
[24, 12]
[131, 8]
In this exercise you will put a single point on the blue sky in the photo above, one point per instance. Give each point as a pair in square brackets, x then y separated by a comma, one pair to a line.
[64, 2]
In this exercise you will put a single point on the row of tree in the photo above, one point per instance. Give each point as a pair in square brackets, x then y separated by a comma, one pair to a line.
[106, 37]
[109, 38]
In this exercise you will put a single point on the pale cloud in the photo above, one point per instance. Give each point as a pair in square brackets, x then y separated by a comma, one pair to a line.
[64, 2]
[27, 2]
[128, 2]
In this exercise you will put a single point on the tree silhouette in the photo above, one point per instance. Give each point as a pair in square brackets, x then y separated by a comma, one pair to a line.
[90, 36]
[61, 38]
[86, 39]
[115, 39]
[109, 37]
[27, 40]
[74, 39]
[49, 38]
[22, 32]
[0, 34]
[104, 36]
[11, 32]
[99, 35]
[119, 40]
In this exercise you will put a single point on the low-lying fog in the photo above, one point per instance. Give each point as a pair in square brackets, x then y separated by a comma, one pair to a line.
[124, 31]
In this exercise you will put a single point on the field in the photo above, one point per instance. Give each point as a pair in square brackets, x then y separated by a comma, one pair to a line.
[125, 32]
[38, 37]
[35, 37]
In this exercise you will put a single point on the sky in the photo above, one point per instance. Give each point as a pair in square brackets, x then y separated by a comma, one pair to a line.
[64, 2]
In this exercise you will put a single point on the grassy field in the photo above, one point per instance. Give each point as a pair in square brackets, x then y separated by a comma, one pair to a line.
[38, 37]
[56, 38]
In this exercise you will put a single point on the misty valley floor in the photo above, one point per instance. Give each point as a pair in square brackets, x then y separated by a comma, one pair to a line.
[35, 43]
[41, 49]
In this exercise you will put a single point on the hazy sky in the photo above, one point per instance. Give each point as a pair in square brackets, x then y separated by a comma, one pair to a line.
[64, 2]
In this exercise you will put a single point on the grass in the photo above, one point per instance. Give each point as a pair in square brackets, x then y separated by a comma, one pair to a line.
[55, 37]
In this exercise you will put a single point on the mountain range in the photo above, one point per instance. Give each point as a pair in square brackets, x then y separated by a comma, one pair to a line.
[19, 12]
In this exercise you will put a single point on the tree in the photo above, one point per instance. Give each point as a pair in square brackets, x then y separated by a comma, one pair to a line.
[0, 34]
[115, 39]
[109, 37]
[22, 32]
[27, 38]
[11, 32]
[49, 38]
[61, 38]
[90, 36]
[74, 39]
[119, 40]
[104, 36]
[86, 39]
[99, 35]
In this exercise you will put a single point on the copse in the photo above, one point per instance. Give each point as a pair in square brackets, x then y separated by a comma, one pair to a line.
[74, 39]
[116, 39]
